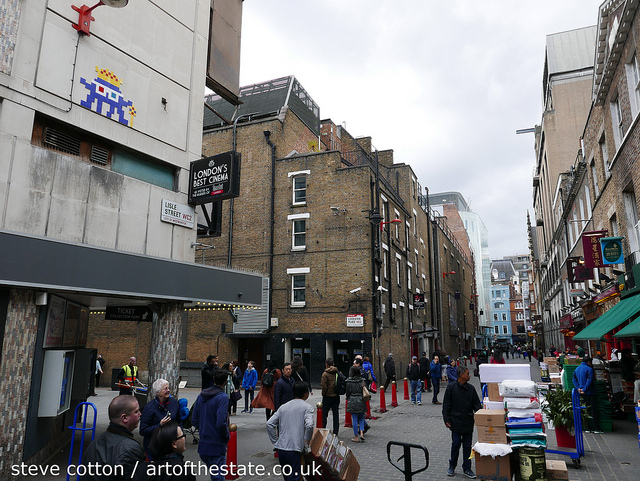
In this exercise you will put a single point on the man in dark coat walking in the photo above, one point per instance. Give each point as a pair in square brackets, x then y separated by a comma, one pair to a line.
[461, 401]
[389, 370]
[424, 372]
[283, 391]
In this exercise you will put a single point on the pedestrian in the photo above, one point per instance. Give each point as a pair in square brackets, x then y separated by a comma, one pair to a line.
[249, 381]
[330, 398]
[208, 371]
[461, 401]
[264, 399]
[290, 430]
[580, 351]
[300, 373]
[497, 357]
[584, 381]
[116, 447]
[229, 388]
[424, 372]
[161, 410]
[413, 375]
[98, 372]
[356, 405]
[167, 445]
[370, 376]
[627, 365]
[284, 387]
[102, 362]
[128, 376]
[436, 374]
[552, 350]
[211, 419]
[452, 372]
[389, 367]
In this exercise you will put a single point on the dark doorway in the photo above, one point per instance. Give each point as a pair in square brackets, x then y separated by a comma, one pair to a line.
[302, 348]
[251, 350]
[345, 353]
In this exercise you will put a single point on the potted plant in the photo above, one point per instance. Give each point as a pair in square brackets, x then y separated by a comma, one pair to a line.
[559, 410]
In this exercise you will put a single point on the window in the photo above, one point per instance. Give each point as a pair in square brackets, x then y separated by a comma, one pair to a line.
[298, 285]
[616, 121]
[498, 305]
[496, 329]
[406, 235]
[594, 179]
[385, 263]
[505, 329]
[398, 270]
[396, 224]
[504, 316]
[299, 234]
[298, 290]
[408, 276]
[502, 275]
[300, 190]
[605, 156]
[633, 76]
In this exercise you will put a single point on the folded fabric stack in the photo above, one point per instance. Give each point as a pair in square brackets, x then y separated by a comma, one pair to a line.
[524, 416]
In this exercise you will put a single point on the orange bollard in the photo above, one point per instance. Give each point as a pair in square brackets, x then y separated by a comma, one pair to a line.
[406, 389]
[319, 415]
[232, 453]
[347, 416]
[394, 394]
[368, 413]
[383, 401]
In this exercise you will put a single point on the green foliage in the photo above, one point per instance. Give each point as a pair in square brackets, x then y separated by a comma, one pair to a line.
[559, 409]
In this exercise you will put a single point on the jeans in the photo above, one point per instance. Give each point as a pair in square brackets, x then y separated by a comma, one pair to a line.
[416, 391]
[214, 461]
[293, 460]
[333, 404]
[436, 388]
[247, 393]
[357, 419]
[456, 440]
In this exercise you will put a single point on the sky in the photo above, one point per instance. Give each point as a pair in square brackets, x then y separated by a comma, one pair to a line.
[444, 83]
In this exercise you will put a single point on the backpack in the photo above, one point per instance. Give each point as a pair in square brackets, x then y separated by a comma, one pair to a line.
[341, 384]
[267, 379]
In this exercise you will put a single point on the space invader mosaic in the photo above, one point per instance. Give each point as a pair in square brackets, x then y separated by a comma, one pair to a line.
[9, 21]
[104, 91]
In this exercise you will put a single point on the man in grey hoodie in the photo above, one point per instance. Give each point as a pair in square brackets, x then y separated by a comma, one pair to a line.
[290, 429]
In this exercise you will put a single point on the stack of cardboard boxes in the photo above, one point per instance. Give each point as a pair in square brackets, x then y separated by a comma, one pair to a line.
[337, 460]
[553, 369]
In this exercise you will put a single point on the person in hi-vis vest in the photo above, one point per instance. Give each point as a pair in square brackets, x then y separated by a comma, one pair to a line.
[128, 375]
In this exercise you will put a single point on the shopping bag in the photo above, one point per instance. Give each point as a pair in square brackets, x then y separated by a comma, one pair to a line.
[373, 388]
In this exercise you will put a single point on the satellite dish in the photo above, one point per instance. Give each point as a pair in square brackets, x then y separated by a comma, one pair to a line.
[115, 3]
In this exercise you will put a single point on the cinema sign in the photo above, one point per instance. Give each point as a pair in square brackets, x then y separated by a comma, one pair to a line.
[214, 178]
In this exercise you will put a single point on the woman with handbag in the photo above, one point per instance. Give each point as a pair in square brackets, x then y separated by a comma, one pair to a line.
[230, 389]
[356, 404]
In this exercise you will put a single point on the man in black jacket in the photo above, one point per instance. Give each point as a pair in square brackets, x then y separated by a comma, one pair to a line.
[413, 375]
[283, 391]
[389, 370]
[115, 451]
[424, 372]
[209, 371]
[461, 401]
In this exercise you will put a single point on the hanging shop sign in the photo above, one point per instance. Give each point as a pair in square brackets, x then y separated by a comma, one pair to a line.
[355, 320]
[591, 248]
[214, 178]
[418, 301]
[612, 250]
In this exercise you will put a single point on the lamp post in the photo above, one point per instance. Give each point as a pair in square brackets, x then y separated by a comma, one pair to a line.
[445, 274]
[394, 221]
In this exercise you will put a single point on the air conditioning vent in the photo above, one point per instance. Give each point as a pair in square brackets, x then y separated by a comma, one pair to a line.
[99, 155]
[61, 141]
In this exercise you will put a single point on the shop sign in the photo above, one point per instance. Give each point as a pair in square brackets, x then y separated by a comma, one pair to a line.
[214, 178]
[566, 321]
[178, 214]
[418, 301]
[576, 292]
[591, 248]
[128, 313]
[355, 320]
[612, 250]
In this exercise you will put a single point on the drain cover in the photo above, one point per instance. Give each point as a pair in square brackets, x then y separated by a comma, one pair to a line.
[260, 455]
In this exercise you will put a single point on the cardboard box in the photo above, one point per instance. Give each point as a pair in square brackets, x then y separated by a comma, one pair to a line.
[550, 360]
[352, 470]
[325, 451]
[490, 417]
[339, 461]
[495, 469]
[557, 470]
[572, 361]
[492, 434]
[553, 368]
[492, 404]
[501, 372]
[317, 440]
[493, 391]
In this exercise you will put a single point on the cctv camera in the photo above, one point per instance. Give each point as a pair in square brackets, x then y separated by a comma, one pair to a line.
[353, 291]
[380, 288]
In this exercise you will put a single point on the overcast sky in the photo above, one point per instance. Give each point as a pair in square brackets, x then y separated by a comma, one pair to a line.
[445, 84]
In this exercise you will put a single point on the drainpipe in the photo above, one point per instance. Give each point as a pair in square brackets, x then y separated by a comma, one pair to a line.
[267, 136]
[234, 144]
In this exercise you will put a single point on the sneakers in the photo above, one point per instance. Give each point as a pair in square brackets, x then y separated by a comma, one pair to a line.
[413, 402]
[244, 411]
[450, 472]
[469, 474]
[595, 431]
[437, 402]
[419, 403]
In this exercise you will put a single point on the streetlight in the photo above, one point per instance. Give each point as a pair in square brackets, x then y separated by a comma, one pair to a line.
[394, 221]
[445, 274]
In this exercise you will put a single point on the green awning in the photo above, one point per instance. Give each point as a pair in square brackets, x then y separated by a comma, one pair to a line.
[621, 312]
[632, 330]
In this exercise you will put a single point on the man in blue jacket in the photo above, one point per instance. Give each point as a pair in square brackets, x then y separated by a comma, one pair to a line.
[436, 374]
[210, 418]
[249, 381]
[584, 381]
